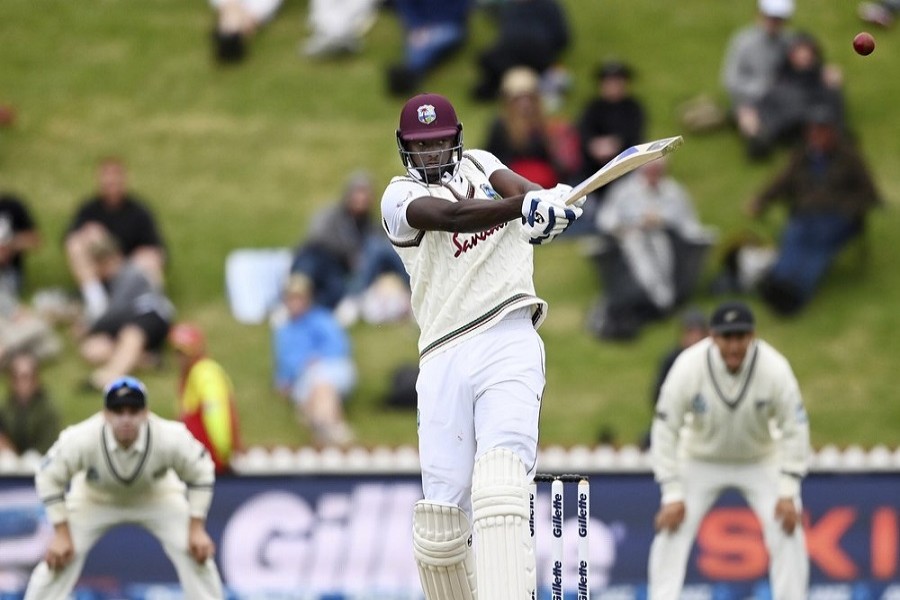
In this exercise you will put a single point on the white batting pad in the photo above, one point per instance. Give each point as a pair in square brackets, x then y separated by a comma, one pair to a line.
[442, 545]
[504, 554]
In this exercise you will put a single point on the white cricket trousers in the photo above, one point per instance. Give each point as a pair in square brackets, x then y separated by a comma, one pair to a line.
[482, 394]
[703, 483]
[166, 516]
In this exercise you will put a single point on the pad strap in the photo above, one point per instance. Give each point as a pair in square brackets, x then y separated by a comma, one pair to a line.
[442, 546]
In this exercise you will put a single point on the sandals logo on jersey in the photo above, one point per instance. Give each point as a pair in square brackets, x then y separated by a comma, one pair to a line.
[463, 242]
[426, 114]
[490, 192]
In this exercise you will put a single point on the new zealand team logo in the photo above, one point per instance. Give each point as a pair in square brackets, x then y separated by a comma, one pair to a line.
[426, 114]
[698, 404]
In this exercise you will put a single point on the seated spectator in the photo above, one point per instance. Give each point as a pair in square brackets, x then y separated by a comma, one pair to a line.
[25, 330]
[879, 12]
[237, 21]
[521, 137]
[113, 210]
[345, 250]
[18, 236]
[530, 33]
[313, 365]
[337, 26]
[132, 330]
[803, 82]
[828, 190]
[651, 222]
[28, 420]
[206, 396]
[433, 30]
[692, 327]
[752, 59]
[613, 120]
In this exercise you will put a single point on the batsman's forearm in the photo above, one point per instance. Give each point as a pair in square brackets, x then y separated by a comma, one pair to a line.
[466, 216]
[483, 214]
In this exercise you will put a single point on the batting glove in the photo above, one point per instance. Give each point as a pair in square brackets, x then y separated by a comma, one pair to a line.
[544, 216]
[562, 191]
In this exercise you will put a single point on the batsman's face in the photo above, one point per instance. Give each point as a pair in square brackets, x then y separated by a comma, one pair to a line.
[733, 348]
[126, 423]
[431, 155]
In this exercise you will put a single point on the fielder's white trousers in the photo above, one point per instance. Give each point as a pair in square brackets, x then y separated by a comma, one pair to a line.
[703, 483]
[482, 394]
[166, 516]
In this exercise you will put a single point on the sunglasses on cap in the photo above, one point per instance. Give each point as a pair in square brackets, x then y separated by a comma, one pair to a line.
[125, 391]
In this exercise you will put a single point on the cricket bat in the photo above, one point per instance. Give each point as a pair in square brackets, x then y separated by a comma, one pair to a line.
[625, 162]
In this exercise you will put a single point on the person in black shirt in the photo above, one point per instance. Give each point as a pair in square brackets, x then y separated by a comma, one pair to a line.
[18, 234]
[115, 211]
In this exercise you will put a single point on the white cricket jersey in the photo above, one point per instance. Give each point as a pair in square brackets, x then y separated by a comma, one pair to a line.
[88, 456]
[709, 414]
[462, 283]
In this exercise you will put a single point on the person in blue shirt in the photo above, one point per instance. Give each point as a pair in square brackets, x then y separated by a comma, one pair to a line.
[313, 363]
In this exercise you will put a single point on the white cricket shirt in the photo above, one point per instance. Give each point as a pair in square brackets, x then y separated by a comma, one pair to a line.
[87, 455]
[462, 283]
[710, 414]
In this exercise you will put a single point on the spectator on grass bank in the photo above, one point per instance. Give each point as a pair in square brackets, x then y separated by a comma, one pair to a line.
[525, 138]
[829, 190]
[752, 59]
[530, 33]
[614, 119]
[659, 244]
[206, 396]
[879, 12]
[313, 364]
[131, 331]
[803, 82]
[345, 251]
[112, 211]
[18, 236]
[338, 26]
[433, 30]
[23, 329]
[237, 22]
[29, 420]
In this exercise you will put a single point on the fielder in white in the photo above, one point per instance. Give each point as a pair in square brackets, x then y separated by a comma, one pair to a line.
[126, 465]
[730, 415]
[465, 227]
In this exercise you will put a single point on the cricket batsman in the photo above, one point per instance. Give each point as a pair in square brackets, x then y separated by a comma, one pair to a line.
[465, 227]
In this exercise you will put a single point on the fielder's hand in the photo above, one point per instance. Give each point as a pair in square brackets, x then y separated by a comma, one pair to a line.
[669, 517]
[544, 216]
[200, 545]
[786, 513]
[61, 550]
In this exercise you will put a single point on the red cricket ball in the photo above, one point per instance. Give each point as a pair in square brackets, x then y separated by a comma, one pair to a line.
[864, 43]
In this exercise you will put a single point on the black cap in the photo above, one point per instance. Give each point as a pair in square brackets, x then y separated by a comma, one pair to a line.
[732, 317]
[614, 68]
[125, 392]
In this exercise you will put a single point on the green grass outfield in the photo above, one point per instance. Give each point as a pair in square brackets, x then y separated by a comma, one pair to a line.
[241, 157]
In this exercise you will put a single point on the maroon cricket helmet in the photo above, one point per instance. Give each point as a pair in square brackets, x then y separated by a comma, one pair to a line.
[427, 117]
